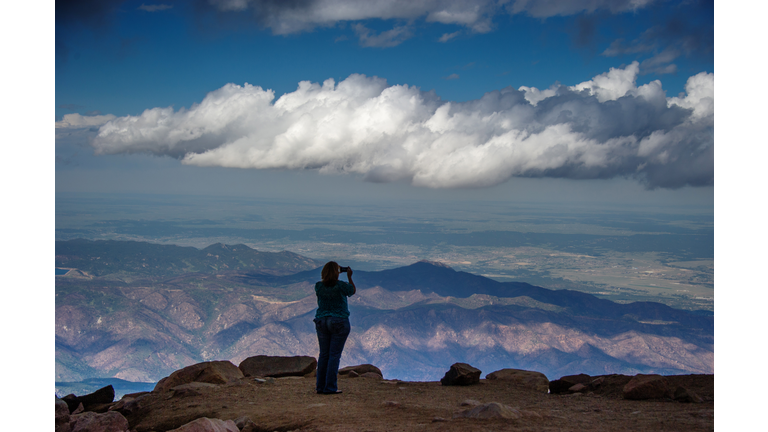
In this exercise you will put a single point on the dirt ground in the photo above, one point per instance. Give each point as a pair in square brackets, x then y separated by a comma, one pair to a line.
[291, 404]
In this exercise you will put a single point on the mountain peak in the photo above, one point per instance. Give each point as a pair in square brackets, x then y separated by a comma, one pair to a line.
[434, 263]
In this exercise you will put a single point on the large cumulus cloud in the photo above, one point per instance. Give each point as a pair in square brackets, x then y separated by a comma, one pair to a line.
[603, 128]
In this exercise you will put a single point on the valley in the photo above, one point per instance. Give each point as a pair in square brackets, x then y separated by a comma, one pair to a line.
[410, 321]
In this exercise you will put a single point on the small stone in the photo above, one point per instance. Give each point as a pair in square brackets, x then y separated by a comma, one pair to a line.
[205, 424]
[391, 404]
[470, 402]
[489, 410]
[439, 419]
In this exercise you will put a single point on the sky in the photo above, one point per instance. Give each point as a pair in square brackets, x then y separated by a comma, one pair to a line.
[416, 99]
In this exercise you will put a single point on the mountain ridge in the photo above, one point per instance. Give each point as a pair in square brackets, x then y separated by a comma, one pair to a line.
[403, 320]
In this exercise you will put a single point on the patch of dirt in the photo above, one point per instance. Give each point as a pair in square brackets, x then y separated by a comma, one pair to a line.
[291, 404]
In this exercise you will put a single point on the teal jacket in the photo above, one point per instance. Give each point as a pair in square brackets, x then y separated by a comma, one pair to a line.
[332, 301]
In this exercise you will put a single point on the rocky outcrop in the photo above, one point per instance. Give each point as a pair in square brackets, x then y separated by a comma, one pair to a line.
[522, 378]
[647, 387]
[461, 374]
[214, 372]
[205, 424]
[102, 396]
[276, 366]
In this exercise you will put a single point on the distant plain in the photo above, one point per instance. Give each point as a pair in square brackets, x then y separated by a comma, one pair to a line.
[622, 253]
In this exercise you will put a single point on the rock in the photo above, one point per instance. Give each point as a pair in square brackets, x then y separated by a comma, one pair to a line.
[360, 369]
[647, 387]
[111, 421]
[522, 378]
[79, 409]
[439, 420]
[488, 411]
[245, 424]
[595, 383]
[104, 395]
[62, 416]
[470, 402]
[205, 424]
[191, 389]
[563, 384]
[369, 375]
[391, 404]
[275, 366]
[353, 374]
[130, 403]
[576, 388]
[461, 374]
[214, 372]
[684, 395]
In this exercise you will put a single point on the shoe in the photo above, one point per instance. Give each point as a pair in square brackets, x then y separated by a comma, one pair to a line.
[332, 393]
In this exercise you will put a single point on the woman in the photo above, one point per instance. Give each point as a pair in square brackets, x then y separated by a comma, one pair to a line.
[332, 324]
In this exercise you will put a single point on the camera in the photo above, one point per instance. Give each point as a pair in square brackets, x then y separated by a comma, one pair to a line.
[343, 269]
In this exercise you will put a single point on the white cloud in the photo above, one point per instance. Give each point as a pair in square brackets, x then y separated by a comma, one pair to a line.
[448, 36]
[453, 76]
[154, 7]
[294, 17]
[602, 128]
[385, 39]
[80, 121]
[549, 8]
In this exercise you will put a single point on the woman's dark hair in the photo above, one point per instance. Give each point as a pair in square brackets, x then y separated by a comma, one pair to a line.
[330, 273]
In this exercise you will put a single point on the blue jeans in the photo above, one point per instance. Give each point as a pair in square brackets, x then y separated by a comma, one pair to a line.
[332, 333]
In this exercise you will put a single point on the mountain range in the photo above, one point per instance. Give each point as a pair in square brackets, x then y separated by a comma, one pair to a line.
[116, 318]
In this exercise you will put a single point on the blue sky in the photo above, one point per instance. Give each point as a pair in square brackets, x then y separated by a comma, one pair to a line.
[477, 98]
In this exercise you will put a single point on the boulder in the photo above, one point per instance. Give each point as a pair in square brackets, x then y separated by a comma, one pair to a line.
[489, 411]
[245, 424]
[274, 366]
[214, 372]
[205, 424]
[62, 416]
[360, 369]
[191, 389]
[576, 388]
[563, 384]
[130, 403]
[647, 387]
[373, 375]
[461, 374]
[522, 378]
[88, 421]
[104, 395]
[685, 395]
